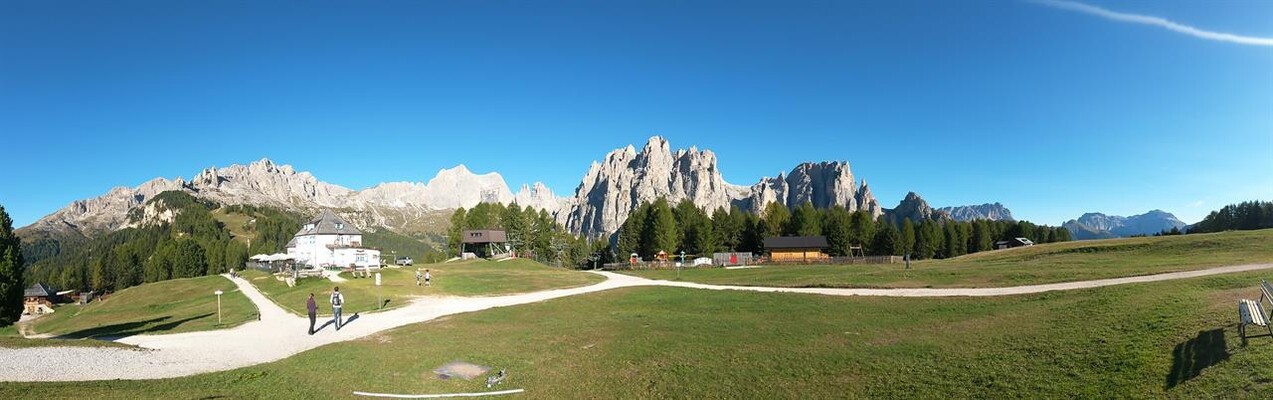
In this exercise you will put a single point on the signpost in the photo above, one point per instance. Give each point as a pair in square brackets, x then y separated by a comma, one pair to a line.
[378, 302]
[218, 293]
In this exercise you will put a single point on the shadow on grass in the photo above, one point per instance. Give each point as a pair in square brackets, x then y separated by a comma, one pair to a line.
[126, 329]
[1196, 354]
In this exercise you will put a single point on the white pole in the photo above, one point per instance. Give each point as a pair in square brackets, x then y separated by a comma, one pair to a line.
[218, 293]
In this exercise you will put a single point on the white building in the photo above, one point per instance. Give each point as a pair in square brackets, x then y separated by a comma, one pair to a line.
[328, 241]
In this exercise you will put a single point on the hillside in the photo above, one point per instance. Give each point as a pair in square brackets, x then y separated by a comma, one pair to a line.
[177, 235]
[181, 305]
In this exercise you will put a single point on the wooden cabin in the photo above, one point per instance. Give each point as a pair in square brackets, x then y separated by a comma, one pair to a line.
[38, 299]
[485, 243]
[804, 249]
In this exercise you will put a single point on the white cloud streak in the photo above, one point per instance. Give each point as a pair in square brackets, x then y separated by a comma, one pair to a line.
[1155, 21]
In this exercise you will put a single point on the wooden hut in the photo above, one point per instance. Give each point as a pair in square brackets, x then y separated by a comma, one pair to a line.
[38, 299]
[806, 249]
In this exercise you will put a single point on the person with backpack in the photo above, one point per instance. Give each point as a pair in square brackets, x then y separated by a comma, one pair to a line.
[337, 300]
[312, 307]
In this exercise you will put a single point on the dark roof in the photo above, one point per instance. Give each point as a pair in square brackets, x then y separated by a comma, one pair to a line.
[1018, 241]
[39, 290]
[796, 242]
[484, 236]
[327, 223]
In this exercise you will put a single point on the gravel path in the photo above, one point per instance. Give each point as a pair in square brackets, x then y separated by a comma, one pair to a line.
[279, 334]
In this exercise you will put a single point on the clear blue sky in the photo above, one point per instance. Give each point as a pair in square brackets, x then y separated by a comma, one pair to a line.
[1051, 111]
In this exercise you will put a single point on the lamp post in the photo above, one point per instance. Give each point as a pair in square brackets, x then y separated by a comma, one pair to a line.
[218, 293]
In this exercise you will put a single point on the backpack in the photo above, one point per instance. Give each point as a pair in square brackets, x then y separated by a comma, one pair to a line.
[336, 299]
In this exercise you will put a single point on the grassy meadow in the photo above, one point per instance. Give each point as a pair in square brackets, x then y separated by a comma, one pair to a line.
[1046, 263]
[1173, 339]
[173, 306]
[398, 286]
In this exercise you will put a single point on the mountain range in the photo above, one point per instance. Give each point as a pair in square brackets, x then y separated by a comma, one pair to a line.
[610, 189]
[1101, 226]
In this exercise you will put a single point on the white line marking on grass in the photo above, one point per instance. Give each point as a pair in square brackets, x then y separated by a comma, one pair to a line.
[439, 396]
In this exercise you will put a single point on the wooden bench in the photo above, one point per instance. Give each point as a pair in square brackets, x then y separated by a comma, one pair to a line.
[1251, 312]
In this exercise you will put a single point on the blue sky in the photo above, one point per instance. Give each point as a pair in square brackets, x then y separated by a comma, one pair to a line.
[1051, 111]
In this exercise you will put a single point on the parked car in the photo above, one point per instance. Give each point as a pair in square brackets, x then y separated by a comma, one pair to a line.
[702, 261]
[405, 261]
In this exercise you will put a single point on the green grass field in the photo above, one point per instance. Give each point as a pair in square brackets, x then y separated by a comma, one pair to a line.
[1049, 263]
[1167, 339]
[179, 305]
[470, 278]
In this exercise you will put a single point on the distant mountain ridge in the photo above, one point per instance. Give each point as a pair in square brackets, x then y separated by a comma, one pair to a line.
[1101, 226]
[264, 183]
[988, 211]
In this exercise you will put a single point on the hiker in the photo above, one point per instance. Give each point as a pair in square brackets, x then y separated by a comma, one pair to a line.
[427, 277]
[417, 277]
[312, 306]
[337, 300]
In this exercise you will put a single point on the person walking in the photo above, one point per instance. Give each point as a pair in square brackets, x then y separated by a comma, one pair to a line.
[337, 300]
[427, 278]
[312, 306]
[417, 277]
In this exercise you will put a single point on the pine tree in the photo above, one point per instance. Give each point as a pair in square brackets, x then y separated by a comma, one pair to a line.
[777, 219]
[457, 228]
[11, 270]
[908, 236]
[838, 227]
[632, 230]
[887, 241]
[660, 230]
[863, 229]
[806, 221]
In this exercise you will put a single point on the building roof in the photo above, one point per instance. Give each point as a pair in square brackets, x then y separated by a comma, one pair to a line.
[327, 223]
[38, 290]
[483, 236]
[796, 242]
[1019, 241]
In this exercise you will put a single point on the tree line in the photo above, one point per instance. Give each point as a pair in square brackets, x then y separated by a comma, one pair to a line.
[658, 226]
[1249, 215]
[533, 233]
[193, 244]
[12, 265]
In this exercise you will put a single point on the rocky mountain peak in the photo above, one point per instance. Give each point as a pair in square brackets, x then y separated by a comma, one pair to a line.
[916, 209]
[988, 211]
[613, 188]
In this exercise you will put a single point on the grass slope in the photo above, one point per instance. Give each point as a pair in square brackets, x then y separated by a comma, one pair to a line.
[179, 305]
[1048, 263]
[1165, 339]
[471, 278]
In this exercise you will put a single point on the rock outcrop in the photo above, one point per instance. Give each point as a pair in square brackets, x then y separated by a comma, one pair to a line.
[612, 188]
[625, 178]
[914, 208]
[988, 211]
